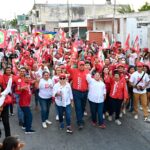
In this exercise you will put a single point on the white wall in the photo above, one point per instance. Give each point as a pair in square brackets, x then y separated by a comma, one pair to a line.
[131, 27]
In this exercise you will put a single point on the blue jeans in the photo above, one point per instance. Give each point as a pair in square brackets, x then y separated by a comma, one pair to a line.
[19, 110]
[45, 106]
[67, 111]
[27, 118]
[97, 109]
[80, 102]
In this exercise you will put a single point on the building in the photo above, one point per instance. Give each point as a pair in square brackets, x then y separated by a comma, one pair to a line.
[52, 16]
[135, 24]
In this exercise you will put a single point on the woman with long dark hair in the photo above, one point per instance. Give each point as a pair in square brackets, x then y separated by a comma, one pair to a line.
[45, 97]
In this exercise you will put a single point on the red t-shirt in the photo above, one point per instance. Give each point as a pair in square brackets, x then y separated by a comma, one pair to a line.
[25, 95]
[17, 82]
[78, 77]
[29, 62]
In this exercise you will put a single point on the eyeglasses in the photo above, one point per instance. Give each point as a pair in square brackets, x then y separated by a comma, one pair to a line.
[62, 78]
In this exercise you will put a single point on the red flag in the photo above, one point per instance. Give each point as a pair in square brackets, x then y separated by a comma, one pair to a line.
[127, 45]
[136, 41]
[2, 38]
[136, 44]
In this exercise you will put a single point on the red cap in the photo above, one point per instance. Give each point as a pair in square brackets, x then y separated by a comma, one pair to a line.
[120, 65]
[62, 67]
[88, 58]
[139, 64]
[62, 76]
[145, 49]
[81, 63]
[133, 49]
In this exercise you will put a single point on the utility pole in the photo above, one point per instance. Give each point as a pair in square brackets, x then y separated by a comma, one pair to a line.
[114, 14]
[69, 18]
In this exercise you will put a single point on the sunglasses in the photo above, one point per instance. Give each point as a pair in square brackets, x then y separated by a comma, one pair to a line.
[62, 78]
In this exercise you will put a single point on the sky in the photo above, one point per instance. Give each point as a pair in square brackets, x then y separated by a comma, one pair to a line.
[11, 8]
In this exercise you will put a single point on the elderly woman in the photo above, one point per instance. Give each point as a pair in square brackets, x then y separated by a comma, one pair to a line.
[63, 98]
[45, 97]
[96, 96]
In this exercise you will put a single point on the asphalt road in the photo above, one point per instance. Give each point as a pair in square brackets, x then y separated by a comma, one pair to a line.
[131, 135]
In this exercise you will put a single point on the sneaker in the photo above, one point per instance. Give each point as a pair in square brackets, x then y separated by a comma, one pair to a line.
[103, 116]
[44, 125]
[136, 117]
[85, 113]
[118, 122]
[141, 108]
[121, 115]
[102, 126]
[124, 111]
[109, 118]
[69, 130]
[30, 132]
[57, 118]
[146, 119]
[23, 128]
[48, 122]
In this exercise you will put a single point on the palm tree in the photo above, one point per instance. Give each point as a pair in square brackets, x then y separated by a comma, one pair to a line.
[125, 9]
[13, 23]
[145, 7]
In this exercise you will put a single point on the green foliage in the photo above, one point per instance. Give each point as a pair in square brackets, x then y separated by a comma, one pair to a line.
[145, 7]
[13, 23]
[125, 9]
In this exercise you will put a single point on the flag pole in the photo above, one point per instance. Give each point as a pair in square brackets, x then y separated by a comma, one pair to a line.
[114, 17]
[69, 19]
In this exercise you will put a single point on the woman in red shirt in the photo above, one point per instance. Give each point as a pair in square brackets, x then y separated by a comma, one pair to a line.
[118, 94]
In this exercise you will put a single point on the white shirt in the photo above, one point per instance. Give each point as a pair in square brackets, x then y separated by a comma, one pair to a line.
[55, 79]
[66, 94]
[97, 90]
[1, 56]
[45, 88]
[135, 77]
[132, 58]
[40, 71]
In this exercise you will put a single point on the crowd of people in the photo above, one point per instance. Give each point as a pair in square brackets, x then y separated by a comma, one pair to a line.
[73, 73]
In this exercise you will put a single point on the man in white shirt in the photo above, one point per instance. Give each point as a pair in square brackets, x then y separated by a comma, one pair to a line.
[140, 80]
[132, 58]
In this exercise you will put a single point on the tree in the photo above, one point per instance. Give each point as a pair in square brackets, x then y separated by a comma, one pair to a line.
[145, 7]
[13, 23]
[125, 9]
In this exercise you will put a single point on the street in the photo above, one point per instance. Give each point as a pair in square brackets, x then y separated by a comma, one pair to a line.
[132, 135]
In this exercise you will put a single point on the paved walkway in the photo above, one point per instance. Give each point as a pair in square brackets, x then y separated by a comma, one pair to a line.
[132, 135]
